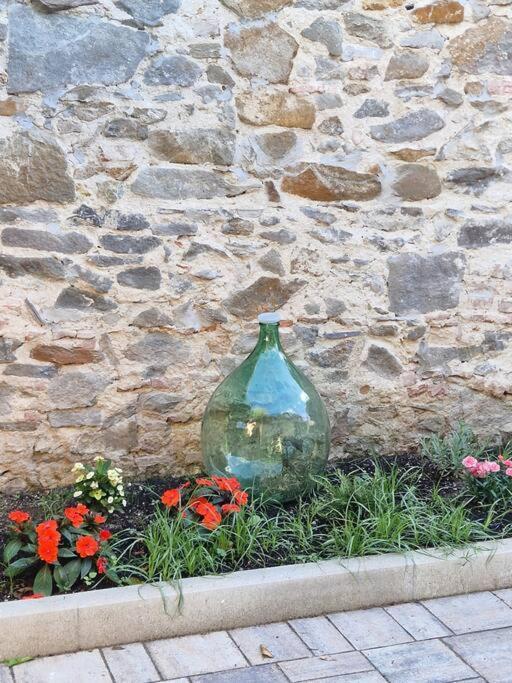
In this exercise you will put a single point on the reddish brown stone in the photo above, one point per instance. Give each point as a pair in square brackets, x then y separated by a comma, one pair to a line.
[409, 154]
[60, 355]
[276, 108]
[485, 48]
[324, 183]
[441, 12]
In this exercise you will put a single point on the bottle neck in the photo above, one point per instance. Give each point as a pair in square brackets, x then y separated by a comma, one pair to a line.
[269, 337]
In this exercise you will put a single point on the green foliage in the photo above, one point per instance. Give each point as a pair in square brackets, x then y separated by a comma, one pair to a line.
[348, 515]
[99, 486]
[447, 452]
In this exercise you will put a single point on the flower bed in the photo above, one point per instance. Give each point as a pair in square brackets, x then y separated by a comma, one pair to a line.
[167, 531]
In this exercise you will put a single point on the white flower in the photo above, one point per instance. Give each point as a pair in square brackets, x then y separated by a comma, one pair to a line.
[111, 510]
[110, 499]
[79, 479]
[97, 458]
[120, 489]
[124, 503]
[94, 484]
[77, 494]
[77, 467]
[89, 475]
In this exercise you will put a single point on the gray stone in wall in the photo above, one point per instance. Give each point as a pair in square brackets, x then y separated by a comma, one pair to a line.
[265, 294]
[76, 389]
[382, 362]
[264, 51]
[406, 64]
[415, 125]
[175, 229]
[423, 283]
[372, 108]
[475, 178]
[149, 12]
[319, 4]
[7, 348]
[172, 70]
[30, 370]
[178, 183]
[158, 348]
[328, 33]
[132, 221]
[129, 129]
[484, 48]
[152, 317]
[333, 357]
[59, 5]
[126, 244]
[254, 9]
[271, 261]
[277, 145]
[45, 268]
[437, 357]
[62, 243]
[75, 298]
[194, 146]
[485, 232]
[33, 167]
[141, 278]
[81, 417]
[47, 51]
[104, 261]
[368, 28]
[450, 97]
[282, 236]
[431, 39]
[415, 182]
[216, 74]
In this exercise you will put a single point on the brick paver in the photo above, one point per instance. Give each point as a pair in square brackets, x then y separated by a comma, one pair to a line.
[445, 640]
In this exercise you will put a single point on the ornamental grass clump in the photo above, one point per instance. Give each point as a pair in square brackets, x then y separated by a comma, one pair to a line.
[58, 552]
[100, 486]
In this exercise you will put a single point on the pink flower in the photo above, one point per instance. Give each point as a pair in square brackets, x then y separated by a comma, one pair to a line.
[470, 462]
[492, 466]
[508, 471]
[506, 463]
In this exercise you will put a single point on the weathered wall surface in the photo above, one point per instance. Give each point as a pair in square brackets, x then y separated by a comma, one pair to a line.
[168, 169]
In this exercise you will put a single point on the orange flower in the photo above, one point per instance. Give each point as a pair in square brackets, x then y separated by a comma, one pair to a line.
[101, 565]
[48, 541]
[48, 551]
[99, 519]
[34, 596]
[204, 482]
[240, 497]
[212, 519]
[82, 509]
[171, 498]
[227, 484]
[75, 517]
[105, 534]
[18, 516]
[230, 507]
[87, 546]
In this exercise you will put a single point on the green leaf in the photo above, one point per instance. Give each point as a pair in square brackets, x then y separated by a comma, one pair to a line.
[12, 549]
[86, 567]
[60, 577]
[43, 583]
[19, 566]
[66, 552]
[72, 570]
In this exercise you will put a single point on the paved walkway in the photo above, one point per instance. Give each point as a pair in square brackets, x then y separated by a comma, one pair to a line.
[461, 638]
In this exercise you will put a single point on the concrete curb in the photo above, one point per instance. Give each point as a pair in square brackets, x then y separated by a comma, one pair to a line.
[116, 616]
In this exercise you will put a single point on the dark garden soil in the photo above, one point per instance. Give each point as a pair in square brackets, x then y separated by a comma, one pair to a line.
[143, 495]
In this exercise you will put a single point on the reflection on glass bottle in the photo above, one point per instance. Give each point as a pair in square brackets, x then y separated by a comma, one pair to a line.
[266, 423]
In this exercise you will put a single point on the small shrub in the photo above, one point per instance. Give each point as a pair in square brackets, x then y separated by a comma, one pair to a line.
[99, 486]
[58, 551]
[447, 452]
[490, 481]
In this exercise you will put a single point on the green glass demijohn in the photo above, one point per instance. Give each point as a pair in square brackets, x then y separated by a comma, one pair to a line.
[266, 424]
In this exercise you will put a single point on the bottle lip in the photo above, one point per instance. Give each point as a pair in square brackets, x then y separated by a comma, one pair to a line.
[269, 318]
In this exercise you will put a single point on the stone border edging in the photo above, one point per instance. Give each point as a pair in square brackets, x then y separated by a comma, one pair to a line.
[116, 616]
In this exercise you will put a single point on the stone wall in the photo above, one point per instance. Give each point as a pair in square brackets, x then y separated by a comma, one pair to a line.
[170, 168]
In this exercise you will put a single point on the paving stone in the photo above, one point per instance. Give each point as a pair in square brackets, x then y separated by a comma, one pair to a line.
[190, 655]
[325, 666]
[418, 621]
[468, 613]
[269, 673]
[428, 662]
[369, 628]
[488, 653]
[130, 664]
[79, 667]
[282, 642]
[364, 677]
[320, 635]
